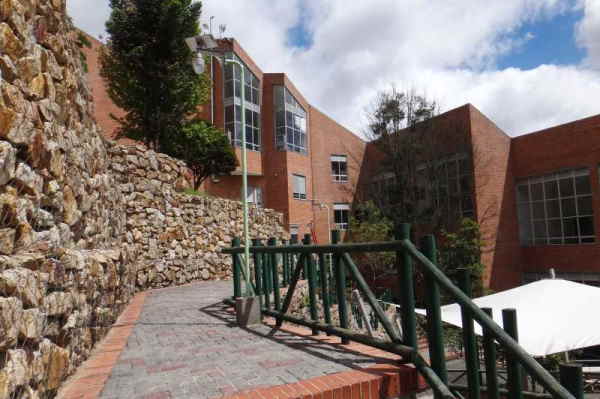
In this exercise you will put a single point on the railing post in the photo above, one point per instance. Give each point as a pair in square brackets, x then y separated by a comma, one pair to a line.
[311, 275]
[237, 272]
[286, 265]
[325, 290]
[340, 285]
[264, 275]
[307, 238]
[513, 368]
[437, 353]
[489, 350]
[407, 291]
[571, 377]
[275, 275]
[257, 271]
[470, 344]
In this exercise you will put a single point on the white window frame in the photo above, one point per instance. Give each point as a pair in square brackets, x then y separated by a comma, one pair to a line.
[299, 192]
[336, 168]
[255, 196]
[343, 225]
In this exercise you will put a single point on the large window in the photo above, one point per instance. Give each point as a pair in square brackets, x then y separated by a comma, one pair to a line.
[233, 105]
[447, 185]
[255, 196]
[556, 209]
[299, 187]
[339, 168]
[341, 216]
[290, 122]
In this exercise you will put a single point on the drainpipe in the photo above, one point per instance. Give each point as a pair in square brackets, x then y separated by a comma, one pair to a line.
[212, 90]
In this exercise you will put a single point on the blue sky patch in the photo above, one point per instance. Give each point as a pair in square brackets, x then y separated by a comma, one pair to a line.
[553, 42]
[299, 36]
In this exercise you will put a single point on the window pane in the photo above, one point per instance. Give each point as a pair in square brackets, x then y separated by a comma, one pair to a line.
[582, 185]
[537, 192]
[570, 227]
[289, 119]
[586, 226]
[540, 229]
[538, 210]
[280, 118]
[584, 206]
[553, 209]
[238, 88]
[551, 189]
[229, 114]
[568, 207]
[297, 138]
[452, 168]
[228, 89]
[555, 228]
[343, 168]
[566, 187]
[238, 113]
[228, 71]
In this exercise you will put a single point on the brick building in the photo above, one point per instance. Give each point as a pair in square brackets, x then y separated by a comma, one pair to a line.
[300, 162]
[534, 195]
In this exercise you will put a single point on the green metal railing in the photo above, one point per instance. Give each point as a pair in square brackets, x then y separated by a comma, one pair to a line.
[277, 268]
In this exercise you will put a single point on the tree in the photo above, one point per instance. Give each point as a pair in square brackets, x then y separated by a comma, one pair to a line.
[206, 150]
[462, 250]
[369, 225]
[147, 67]
[413, 145]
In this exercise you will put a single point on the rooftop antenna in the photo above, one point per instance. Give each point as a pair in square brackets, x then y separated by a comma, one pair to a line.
[222, 29]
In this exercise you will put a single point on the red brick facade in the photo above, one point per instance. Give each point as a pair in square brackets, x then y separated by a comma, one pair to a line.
[498, 162]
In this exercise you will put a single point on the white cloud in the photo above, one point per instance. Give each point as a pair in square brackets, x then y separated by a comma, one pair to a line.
[588, 32]
[447, 49]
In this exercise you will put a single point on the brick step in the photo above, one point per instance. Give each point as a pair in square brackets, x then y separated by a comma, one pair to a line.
[383, 381]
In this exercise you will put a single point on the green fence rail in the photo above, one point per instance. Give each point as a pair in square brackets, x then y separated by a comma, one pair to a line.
[278, 266]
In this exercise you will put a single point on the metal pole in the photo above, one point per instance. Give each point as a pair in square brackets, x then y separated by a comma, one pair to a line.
[407, 291]
[469, 340]
[489, 350]
[340, 285]
[513, 368]
[237, 278]
[244, 170]
[434, 315]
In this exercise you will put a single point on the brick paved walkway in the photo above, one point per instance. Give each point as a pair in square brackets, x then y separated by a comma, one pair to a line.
[185, 345]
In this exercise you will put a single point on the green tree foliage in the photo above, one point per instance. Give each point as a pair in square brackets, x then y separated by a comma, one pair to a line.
[205, 148]
[147, 67]
[462, 250]
[369, 225]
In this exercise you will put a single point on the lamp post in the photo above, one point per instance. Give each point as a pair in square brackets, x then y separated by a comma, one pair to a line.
[206, 44]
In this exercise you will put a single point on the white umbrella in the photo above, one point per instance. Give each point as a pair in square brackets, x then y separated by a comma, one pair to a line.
[552, 315]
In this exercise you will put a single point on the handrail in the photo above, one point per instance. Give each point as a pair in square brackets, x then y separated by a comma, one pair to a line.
[267, 269]
[530, 364]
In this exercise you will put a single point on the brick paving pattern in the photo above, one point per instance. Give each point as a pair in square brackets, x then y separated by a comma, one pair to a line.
[186, 345]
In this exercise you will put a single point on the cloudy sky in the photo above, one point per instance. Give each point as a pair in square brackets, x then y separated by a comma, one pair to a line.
[526, 64]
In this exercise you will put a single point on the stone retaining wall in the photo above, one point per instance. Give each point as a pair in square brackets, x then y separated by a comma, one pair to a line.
[180, 235]
[84, 224]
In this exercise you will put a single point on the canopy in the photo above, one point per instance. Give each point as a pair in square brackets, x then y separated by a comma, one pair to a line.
[552, 315]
